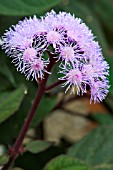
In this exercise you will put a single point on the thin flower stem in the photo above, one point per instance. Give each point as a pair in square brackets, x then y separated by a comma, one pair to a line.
[54, 85]
[17, 146]
[28, 120]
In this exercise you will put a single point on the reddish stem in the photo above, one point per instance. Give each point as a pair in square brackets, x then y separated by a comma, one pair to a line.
[17, 146]
[54, 85]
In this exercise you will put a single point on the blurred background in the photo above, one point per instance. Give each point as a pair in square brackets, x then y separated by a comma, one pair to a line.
[60, 119]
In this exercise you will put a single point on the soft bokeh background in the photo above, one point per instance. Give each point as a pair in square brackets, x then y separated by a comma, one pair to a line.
[80, 131]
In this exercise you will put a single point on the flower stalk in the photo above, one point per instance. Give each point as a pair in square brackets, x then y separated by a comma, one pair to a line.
[16, 149]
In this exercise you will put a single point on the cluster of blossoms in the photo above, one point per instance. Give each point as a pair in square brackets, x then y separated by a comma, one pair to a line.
[71, 42]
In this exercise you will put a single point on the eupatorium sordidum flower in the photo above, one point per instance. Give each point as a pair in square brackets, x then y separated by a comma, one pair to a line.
[72, 43]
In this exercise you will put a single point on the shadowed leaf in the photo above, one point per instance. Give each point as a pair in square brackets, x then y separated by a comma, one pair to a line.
[37, 146]
[25, 7]
[103, 118]
[66, 163]
[10, 102]
[96, 148]
[3, 159]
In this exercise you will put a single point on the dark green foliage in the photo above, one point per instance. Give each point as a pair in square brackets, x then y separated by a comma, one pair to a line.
[3, 160]
[103, 119]
[25, 7]
[66, 163]
[10, 102]
[95, 150]
[37, 146]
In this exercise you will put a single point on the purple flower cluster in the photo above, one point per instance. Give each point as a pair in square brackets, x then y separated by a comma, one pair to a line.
[72, 43]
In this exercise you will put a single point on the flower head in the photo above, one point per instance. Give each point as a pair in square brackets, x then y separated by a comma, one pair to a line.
[73, 79]
[29, 54]
[36, 68]
[53, 37]
[69, 52]
[99, 90]
[70, 41]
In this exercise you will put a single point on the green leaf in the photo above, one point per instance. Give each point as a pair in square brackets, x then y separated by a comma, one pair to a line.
[10, 102]
[103, 118]
[6, 75]
[110, 61]
[109, 102]
[96, 148]
[5, 84]
[3, 159]
[37, 146]
[104, 9]
[26, 7]
[5, 23]
[66, 163]
[4, 70]
[104, 167]
[16, 168]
